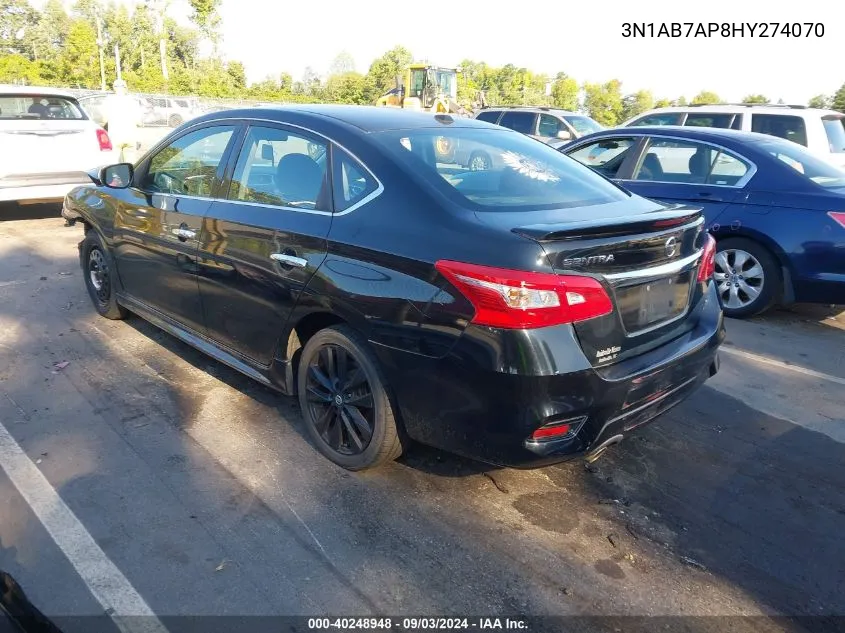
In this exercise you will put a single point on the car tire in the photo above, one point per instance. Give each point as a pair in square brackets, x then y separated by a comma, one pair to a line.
[479, 161]
[743, 264]
[174, 121]
[99, 271]
[339, 421]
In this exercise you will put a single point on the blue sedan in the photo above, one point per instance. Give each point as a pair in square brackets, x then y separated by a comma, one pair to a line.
[776, 210]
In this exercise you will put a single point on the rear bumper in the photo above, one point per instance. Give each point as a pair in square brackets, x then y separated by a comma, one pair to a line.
[451, 404]
[48, 186]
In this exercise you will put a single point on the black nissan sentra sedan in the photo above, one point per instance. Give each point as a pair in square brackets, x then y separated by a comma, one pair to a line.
[520, 315]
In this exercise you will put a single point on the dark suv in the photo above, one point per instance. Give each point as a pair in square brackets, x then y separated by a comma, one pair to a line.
[521, 315]
[550, 125]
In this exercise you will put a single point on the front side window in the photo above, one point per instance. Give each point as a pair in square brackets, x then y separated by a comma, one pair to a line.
[523, 174]
[417, 83]
[583, 124]
[188, 166]
[791, 128]
[605, 156]
[688, 162]
[550, 126]
[834, 127]
[522, 122]
[279, 168]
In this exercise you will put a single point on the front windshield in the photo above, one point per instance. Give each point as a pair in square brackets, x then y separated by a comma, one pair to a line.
[801, 160]
[583, 124]
[491, 169]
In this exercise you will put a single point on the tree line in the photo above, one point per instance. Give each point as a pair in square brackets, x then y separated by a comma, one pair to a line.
[60, 48]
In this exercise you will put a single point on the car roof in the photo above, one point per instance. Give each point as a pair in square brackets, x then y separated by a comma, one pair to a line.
[788, 110]
[365, 118]
[686, 131]
[534, 109]
[34, 91]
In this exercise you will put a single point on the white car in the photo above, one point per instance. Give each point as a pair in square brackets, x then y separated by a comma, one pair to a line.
[48, 144]
[820, 131]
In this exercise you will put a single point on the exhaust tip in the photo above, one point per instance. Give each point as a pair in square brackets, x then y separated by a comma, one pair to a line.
[593, 455]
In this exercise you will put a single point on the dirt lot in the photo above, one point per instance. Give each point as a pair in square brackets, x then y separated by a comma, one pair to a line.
[201, 490]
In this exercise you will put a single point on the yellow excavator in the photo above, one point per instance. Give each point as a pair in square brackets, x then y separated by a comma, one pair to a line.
[425, 88]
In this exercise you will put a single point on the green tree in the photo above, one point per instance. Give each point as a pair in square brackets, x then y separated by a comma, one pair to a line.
[17, 18]
[662, 103]
[346, 88]
[565, 92]
[78, 64]
[603, 102]
[342, 64]
[18, 69]
[819, 101]
[636, 103]
[381, 76]
[681, 101]
[755, 99]
[706, 97]
[237, 73]
[204, 13]
[838, 101]
[46, 36]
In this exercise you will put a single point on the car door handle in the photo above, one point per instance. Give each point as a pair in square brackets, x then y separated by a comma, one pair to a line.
[290, 260]
[185, 233]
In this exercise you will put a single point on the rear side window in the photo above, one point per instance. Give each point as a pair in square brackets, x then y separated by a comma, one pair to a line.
[690, 162]
[39, 107]
[279, 168]
[352, 183]
[522, 122]
[710, 120]
[791, 128]
[660, 119]
[834, 127]
[488, 115]
[522, 174]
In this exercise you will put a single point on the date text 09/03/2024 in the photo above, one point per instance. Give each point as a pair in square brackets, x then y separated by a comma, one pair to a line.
[417, 624]
[722, 29]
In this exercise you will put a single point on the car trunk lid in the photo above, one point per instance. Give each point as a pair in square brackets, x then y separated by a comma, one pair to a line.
[32, 146]
[647, 259]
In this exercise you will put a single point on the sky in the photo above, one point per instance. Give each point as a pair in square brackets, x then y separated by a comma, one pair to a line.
[583, 39]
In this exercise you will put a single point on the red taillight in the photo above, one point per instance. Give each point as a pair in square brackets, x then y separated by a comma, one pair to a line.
[838, 217]
[551, 431]
[516, 299]
[708, 259]
[104, 140]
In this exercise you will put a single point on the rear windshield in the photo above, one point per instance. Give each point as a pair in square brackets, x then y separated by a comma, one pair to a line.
[39, 107]
[583, 124]
[492, 169]
[835, 128]
[802, 161]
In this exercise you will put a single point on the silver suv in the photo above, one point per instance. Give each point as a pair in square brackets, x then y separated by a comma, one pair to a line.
[550, 125]
[820, 131]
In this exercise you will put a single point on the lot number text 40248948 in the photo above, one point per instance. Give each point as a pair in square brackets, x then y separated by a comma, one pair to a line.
[722, 29]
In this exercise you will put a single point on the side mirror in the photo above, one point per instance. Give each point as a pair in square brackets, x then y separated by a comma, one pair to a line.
[564, 135]
[117, 176]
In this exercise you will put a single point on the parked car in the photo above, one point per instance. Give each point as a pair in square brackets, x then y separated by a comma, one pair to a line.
[820, 131]
[47, 144]
[169, 111]
[97, 107]
[521, 316]
[777, 210]
[550, 125]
